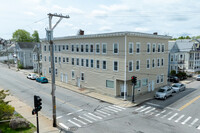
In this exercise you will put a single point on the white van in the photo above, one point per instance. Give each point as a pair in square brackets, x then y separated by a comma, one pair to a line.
[31, 76]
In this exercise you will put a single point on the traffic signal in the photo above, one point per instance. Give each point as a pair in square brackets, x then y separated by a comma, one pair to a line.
[134, 80]
[37, 103]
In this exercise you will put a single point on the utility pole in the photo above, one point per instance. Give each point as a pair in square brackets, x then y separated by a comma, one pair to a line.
[50, 39]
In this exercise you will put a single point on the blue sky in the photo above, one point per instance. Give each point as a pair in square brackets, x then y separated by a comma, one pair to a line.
[169, 17]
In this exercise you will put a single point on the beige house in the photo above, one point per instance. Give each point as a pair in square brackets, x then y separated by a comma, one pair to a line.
[106, 62]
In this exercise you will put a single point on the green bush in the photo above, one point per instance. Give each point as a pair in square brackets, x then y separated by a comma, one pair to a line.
[20, 66]
[173, 73]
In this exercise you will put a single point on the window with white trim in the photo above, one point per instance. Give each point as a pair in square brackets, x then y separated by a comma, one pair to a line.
[59, 48]
[104, 65]
[115, 48]
[137, 47]
[97, 64]
[158, 62]
[82, 62]
[148, 63]
[130, 47]
[55, 47]
[109, 84]
[87, 63]
[161, 78]
[56, 71]
[49, 48]
[154, 48]
[104, 48]
[91, 48]
[45, 58]
[77, 61]
[91, 63]
[67, 47]
[137, 65]
[163, 47]
[72, 48]
[158, 79]
[148, 47]
[73, 75]
[158, 47]
[162, 62]
[49, 58]
[86, 48]
[56, 60]
[115, 66]
[49, 69]
[72, 61]
[97, 48]
[82, 77]
[77, 48]
[82, 48]
[145, 82]
[59, 59]
[130, 66]
[45, 48]
[63, 47]
[63, 59]
[67, 59]
[138, 84]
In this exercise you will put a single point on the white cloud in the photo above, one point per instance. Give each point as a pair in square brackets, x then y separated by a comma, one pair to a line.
[105, 28]
[115, 7]
[30, 13]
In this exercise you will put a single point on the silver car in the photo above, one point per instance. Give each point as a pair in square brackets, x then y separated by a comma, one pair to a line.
[164, 92]
[178, 87]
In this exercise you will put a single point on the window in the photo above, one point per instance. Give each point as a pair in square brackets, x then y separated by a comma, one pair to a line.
[163, 47]
[63, 59]
[137, 65]
[145, 82]
[86, 48]
[153, 63]
[97, 64]
[172, 58]
[49, 48]
[72, 48]
[130, 47]
[67, 59]
[82, 48]
[77, 61]
[49, 69]
[55, 47]
[82, 76]
[91, 63]
[158, 79]
[162, 62]
[72, 61]
[104, 48]
[82, 62]
[56, 72]
[115, 48]
[45, 58]
[73, 74]
[67, 47]
[115, 66]
[59, 58]
[87, 63]
[59, 48]
[63, 47]
[45, 48]
[158, 62]
[91, 48]
[49, 58]
[130, 66]
[56, 60]
[97, 49]
[138, 48]
[104, 65]
[154, 48]
[148, 47]
[138, 84]
[109, 84]
[158, 47]
[161, 78]
[77, 48]
[148, 63]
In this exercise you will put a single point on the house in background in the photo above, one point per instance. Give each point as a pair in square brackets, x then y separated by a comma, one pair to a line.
[24, 53]
[37, 58]
[184, 55]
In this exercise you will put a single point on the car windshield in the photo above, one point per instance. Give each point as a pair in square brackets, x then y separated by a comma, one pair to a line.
[175, 86]
[161, 90]
[198, 76]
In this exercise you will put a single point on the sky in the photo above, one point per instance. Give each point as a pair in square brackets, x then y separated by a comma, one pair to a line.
[167, 17]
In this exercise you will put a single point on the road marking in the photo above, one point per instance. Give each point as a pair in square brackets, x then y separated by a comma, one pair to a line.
[166, 115]
[198, 127]
[186, 120]
[103, 112]
[79, 121]
[100, 114]
[153, 104]
[75, 112]
[119, 107]
[179, 118]
[114, 108]
[74, 123]
[190, 102]
[144, 109]
[172, 116]
[85, 119]
[59, 117]
[160, 113]
[140, 108]
[90, 117]
[110, 109]
[63, 125]
[150, 110]
[95, 116]
[195, 120]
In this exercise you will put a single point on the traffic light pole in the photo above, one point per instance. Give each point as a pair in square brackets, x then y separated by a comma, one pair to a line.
[37, 121]
[133, 93]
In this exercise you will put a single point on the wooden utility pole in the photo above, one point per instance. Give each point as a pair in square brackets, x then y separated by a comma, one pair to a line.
[49, 33]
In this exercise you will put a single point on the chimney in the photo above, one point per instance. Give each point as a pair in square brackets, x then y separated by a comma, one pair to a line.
[155, 33]
[81, 32]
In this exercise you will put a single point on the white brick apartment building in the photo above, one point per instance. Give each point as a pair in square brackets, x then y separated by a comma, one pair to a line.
[106, 62]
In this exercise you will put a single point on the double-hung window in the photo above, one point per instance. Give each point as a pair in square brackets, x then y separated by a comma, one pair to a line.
[73, 75]
[63, 59]
[82, 77]
[77, 61]
[153, 63]
[87, 63]
[86, 48]
[63, 47]
[137, 65]
[59, 48]
[91, 63]
[91, 48]
[115, 65]
[148, 63]
[163, 47]
[162, 62]
[161, 78]
[56, 60]
[72, 48]
[154, 48]
[104, 48]
[45, 48]
[130, 66]
[115, 48]
[82, 62]
[77, 48]
[67, 59]
[104, 65]
[67, 47]
[97, 64]
[55, 47]
[158, 47]
[72, 61]
[137, 47]
[130, 47]
[82, 48]
[97, 48]
[148, 47]
[59, 58]
[158, 62]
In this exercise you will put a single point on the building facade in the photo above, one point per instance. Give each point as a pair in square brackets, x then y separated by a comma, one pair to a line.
[37, 58]
[106, 62]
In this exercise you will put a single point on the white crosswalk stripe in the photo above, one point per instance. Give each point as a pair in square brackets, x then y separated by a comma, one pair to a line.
[140, 108]
[150, 110]
[145, 109]
[160, 113]
[198, 127]
[172, 116]
[166, 115]
[195, 120]
[63, 125]
[103, 112]
[103, 115]
[80, 121]
[110, 109]
[119, 107]
[90, 117]
[115, 108]
[74, 123]
[85, 119]
[179, 118]
[186, 120]
[95, 116]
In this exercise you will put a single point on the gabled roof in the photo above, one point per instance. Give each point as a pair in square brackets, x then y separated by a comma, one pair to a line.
[26, 45]
[185, 45]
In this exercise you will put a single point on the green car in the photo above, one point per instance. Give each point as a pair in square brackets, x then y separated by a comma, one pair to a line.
[42, 79]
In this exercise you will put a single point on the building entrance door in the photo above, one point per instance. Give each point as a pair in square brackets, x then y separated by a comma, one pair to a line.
[122, 89]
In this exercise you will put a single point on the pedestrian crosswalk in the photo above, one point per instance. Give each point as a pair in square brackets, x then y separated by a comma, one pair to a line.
[170, 115]
[91, 117]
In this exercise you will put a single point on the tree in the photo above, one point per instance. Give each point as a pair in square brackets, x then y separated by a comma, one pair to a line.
[35, 36]
[21, 35]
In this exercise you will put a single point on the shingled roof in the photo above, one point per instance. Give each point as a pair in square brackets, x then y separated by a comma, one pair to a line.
[26, 45]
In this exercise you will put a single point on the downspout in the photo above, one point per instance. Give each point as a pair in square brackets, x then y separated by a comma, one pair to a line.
[125, 90]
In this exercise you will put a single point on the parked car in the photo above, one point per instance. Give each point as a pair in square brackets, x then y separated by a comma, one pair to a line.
[31, 76]
[177, 87]
[173, 79]
[198, 78]
[42, 79]
[164, 92]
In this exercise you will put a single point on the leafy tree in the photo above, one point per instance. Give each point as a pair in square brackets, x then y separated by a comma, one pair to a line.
[21, 35]
[173, 73]
[6, 111]
[35, 36]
